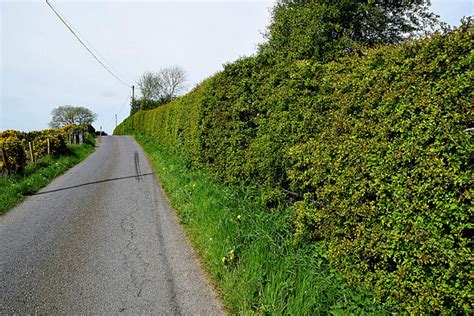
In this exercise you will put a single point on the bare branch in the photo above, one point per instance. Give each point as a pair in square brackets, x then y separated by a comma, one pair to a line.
[150, 86]
[173, 79]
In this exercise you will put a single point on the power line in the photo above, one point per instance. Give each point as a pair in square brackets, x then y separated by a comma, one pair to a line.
[92, 48]
[83, 44]
[121, 109]
[123, 106]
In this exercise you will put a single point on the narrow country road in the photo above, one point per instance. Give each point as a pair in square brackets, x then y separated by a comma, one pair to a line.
[101, 239]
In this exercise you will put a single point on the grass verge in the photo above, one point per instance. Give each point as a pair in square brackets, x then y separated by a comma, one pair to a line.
[15, 188]
[249, 250]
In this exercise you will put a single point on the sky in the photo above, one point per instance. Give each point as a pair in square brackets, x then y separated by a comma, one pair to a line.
[43, 66]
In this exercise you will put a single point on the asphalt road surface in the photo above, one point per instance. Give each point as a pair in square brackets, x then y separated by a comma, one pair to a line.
[101, 239]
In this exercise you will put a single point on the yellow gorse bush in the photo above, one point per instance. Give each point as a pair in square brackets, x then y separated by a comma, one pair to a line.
[12, 148]
[15, 148]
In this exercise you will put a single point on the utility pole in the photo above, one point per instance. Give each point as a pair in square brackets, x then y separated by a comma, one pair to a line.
[115, 120]
[133, 94]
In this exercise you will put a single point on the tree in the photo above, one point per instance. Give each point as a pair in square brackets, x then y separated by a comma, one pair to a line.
[326, 29]
[135, 106]
[159, 88]
[150, 85]
[68, 114]
[172, 81]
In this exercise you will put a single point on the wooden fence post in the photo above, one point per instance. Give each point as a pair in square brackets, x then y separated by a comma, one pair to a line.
[5, 161]
[31, 152]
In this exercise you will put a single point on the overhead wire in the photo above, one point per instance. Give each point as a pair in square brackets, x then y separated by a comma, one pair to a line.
[75, 33]
[94, 50]
[123, 106]
[121, 109]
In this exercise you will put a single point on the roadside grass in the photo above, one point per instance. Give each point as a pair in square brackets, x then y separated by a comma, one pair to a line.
[248, 249]
[15, 188]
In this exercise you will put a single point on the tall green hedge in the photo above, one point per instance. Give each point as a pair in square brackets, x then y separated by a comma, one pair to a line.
[374, 149]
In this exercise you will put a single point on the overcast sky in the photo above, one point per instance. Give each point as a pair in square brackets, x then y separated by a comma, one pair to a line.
[43, 66]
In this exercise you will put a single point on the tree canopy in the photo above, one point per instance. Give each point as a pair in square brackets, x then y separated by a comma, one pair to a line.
[326, 29]
[159, 88]
[150, 85]
[68, 114]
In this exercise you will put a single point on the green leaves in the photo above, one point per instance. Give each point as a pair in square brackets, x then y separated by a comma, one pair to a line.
[370, 150]
[327, 30]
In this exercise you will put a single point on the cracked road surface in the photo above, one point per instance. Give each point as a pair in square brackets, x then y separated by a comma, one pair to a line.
[101, 239]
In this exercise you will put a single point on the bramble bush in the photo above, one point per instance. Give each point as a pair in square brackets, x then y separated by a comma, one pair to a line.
[373, 147]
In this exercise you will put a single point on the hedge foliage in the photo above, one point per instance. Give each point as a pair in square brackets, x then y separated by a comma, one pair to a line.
[322, 30]
[15, 145]
[373, 147]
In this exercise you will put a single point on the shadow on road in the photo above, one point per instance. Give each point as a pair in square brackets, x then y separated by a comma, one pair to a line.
[95, 182]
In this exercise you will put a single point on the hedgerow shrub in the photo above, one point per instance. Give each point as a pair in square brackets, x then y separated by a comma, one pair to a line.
[373, 149]
[176, 124]
[387, 179]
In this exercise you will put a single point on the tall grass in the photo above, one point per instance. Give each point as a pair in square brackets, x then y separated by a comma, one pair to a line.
[15, 188]
[248, 249]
